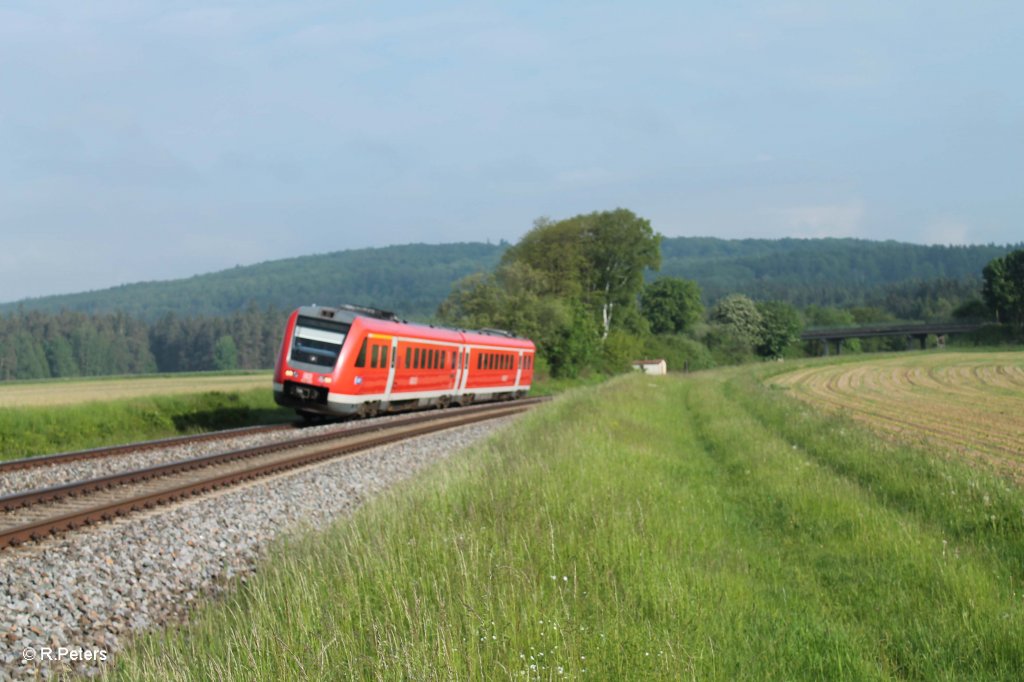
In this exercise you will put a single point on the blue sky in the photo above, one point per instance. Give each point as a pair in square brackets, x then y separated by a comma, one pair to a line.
[151, 140]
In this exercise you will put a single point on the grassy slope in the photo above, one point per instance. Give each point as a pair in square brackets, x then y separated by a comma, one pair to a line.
[28, 431]
[702, 528]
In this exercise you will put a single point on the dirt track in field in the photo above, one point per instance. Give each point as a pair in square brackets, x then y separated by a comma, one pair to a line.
[972, 403]
[45, 393]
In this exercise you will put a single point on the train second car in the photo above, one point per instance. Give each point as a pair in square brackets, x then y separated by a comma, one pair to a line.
[355, 361]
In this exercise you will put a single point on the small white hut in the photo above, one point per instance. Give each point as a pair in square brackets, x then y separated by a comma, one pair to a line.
[656, 367]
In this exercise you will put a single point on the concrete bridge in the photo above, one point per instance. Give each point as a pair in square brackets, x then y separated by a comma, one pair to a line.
[919, 331]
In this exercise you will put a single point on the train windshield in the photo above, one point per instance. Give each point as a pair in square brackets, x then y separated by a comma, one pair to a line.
[318, 342]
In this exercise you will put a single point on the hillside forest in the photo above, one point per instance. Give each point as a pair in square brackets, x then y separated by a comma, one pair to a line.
[595, 291]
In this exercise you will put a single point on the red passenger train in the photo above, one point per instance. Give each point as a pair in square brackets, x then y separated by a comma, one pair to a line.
[350, 360]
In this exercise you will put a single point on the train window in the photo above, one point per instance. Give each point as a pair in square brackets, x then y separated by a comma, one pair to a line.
[433, 359]
[374, 355]
[416, 358]
[317, 342]
[361, 358]
[408, 357]
[394, 355]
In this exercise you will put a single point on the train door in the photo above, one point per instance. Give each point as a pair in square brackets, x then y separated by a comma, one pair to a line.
[519, 367]
[465, 370]
[391, 369]
[456, 369]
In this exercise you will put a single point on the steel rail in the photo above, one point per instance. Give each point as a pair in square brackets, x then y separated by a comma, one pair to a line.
[112, 450]
[394, 431]
[141, 446]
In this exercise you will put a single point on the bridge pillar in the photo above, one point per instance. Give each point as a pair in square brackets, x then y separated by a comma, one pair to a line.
[922, 338]
[839, 346]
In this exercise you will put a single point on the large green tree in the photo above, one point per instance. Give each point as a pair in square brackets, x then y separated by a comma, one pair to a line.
[671, 305]
[740, 314]
[618, 246]
[1003, 288]
[780, 326]
[597, 259]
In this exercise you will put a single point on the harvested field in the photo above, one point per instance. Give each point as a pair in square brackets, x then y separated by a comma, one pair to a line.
[64, 392]
[972, 403]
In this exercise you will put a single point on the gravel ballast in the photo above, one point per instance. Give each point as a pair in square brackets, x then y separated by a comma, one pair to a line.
[90, 591]
[57, 473]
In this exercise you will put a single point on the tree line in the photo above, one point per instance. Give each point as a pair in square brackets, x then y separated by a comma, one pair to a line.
[578, 288]
[413, 279]
[39, 345]
[590, 290]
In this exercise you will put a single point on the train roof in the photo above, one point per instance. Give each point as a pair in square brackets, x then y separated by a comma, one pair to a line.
[387, 322]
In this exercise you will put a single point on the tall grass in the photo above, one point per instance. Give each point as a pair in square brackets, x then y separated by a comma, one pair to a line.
[696, 528]
[28, 431]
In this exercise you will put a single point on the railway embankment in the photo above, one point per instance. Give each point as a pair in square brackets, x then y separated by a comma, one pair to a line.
[92, 590]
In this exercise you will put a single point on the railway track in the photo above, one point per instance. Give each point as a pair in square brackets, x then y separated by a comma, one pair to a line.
[36, 514]
[114, 450]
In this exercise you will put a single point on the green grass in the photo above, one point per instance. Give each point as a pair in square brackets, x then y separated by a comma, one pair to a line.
[547, 386]
[683, 528]
[28, 431]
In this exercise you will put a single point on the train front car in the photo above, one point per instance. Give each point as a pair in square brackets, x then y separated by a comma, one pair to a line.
[359, 361]
[310, 356]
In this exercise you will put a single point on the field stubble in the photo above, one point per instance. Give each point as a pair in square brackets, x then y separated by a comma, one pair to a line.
[969, 402]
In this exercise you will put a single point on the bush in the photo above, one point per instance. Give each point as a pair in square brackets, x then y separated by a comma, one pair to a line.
[682, 353]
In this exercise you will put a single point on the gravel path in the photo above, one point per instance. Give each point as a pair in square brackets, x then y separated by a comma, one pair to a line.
[93, 589]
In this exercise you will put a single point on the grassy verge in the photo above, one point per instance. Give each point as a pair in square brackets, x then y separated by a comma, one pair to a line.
[548, 386]
[27, 431]
[694, 528]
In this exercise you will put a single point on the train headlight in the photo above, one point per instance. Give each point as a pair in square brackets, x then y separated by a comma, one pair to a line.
[326, 380]
[289, 373]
